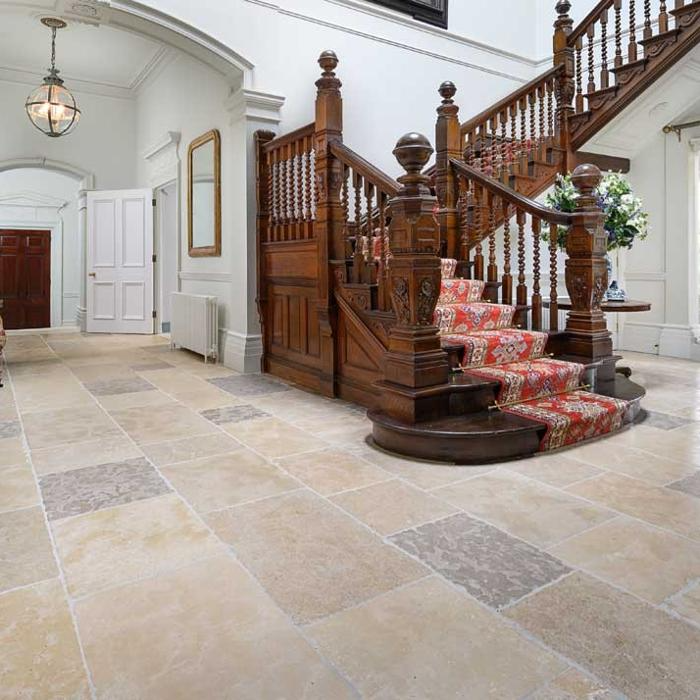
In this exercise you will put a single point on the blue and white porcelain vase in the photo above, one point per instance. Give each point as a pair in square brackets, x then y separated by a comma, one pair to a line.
[615, 293]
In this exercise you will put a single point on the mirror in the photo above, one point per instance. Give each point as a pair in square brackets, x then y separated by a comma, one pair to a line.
[204, 195]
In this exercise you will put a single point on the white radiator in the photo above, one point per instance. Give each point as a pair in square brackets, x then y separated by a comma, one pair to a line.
[194, 324]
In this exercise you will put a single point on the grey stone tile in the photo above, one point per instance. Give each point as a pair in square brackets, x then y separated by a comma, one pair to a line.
[93, 488]
[665, 421]
[233, 414]
[689, 485]
[10, 428]
[110, 387]
[494, 567]
[148, 366]
[248, 385]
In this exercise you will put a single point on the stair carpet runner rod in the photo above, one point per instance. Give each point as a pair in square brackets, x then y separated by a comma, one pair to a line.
[531, 384]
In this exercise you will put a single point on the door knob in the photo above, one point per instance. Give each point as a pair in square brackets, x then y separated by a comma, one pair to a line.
[92, 274]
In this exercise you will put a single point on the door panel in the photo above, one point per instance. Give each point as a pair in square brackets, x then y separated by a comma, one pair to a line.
[119, 262]
[25, 278]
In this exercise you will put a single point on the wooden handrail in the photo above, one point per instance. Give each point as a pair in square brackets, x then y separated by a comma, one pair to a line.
[521, 92]
[364, 168]
[291, 137]
[589, 19]
[509, 195]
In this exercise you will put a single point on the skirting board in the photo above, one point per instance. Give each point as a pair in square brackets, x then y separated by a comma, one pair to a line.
[240, 352]
[660, 339]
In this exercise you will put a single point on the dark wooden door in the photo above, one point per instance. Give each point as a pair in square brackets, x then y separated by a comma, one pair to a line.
[25, 278]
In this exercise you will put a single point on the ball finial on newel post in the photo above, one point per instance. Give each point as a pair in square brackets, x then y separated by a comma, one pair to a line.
[447, 91]
[562, 8]
[586, 179]
[328, 62]
[413, 152]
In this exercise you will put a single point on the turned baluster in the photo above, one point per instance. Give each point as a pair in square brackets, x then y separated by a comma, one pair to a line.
[309, 213]
[591, 58]
[384, 303]
[299, 181]
[542, 124]
[513, 109]
[632, 49]
[272, 190]
[553, 282]
[536, 295]
[345, 205]
[280, 195]
[492, 270]
[522, 106]
[478, 217]
[493, 146]
[507, 279]
[604, 73]
[358, 258]
[618, 33]
[521, 290]
[663, 17]
[503, 173]
[369, 241]
[532, 99]
[579, 75]
[647, 19]
[289, 190]
[550, 111]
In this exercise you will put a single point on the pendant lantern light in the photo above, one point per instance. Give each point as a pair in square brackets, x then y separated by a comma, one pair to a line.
[51, 107]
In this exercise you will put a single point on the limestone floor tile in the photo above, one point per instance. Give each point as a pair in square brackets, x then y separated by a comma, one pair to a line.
[75, 455]
[233, 414]
[688, 604]
[556, 469]
[630, 645]
[330, 471]
[690, 484]
[633, 555]
[117, 402]
[10, 429]
[249, 385]
[89, 489]
[8, 413]
[190, 448]
[51, 394]
[25, 549]
[145, 424]
[682, 444]
[660, 506]
[426, 640]
[50, 428]
[174, 380]
[17, 487]
[392, 506]
[311, 558]
[140, 539]
[525, 508]
[341, 429]
[12, 452]
[213, 483]
[574, 685]
[40, 657]
[204, 631]
[634, 462]
[494, 567]
[146, 366]
[424, 475]
[204, 398]
[273, 438]
[90, 373]
[122, 385]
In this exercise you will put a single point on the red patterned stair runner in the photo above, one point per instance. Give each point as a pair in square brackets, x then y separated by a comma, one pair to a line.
[495, 351]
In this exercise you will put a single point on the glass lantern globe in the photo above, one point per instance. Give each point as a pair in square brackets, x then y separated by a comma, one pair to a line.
[52, 108]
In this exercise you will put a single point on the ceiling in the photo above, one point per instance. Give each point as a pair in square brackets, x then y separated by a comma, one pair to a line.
[88, 55]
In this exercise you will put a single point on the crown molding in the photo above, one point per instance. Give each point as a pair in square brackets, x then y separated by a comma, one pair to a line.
[254, 105]
[170, 138]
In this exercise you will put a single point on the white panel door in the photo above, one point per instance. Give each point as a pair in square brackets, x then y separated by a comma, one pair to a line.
[120, 262]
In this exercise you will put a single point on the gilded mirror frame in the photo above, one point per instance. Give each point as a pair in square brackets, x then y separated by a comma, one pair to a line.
[213, 250]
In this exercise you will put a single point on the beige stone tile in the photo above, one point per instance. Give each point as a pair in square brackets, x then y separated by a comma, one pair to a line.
[213, 483]
[50, 428]
[40, 656]
[273, 437]
[682, 445]
[312, 559]
[17, 488]
[184, 450]
[213, 634]
[12, 452]
[102, 372]
[527, 509]
[174, 381]
[140, 539]
[338, 429]
[424, 475]
[632, 646]
[169, 422]
[118, 402]
[51, 390]
[634, 462]
[426, 640]
[330, 471]
[76, 455]
[556, 470]
[640, 558]
[392, 506]
[688, 604]
[574, 685]
[8, 413]
[664, 507]
[25, 549]
[204, 398]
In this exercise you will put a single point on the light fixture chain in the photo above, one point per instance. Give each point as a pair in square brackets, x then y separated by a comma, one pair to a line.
[53, 48]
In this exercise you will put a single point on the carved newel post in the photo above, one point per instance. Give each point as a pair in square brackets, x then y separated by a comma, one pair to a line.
[565, 86]
[415, 359]
[448, 144]
[328, 223]
[587, 271]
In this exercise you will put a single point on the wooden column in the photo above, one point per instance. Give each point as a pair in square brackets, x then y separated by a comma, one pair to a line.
[564, 56]
[448, 144]
[328, 226]
[586, 271]
[415, 362]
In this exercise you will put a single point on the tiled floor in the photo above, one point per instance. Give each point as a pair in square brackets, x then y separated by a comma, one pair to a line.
[173, 530]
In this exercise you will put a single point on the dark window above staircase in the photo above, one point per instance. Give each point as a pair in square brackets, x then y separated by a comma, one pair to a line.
[430, 11]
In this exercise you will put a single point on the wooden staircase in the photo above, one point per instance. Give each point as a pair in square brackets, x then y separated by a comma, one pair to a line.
[349, 259]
